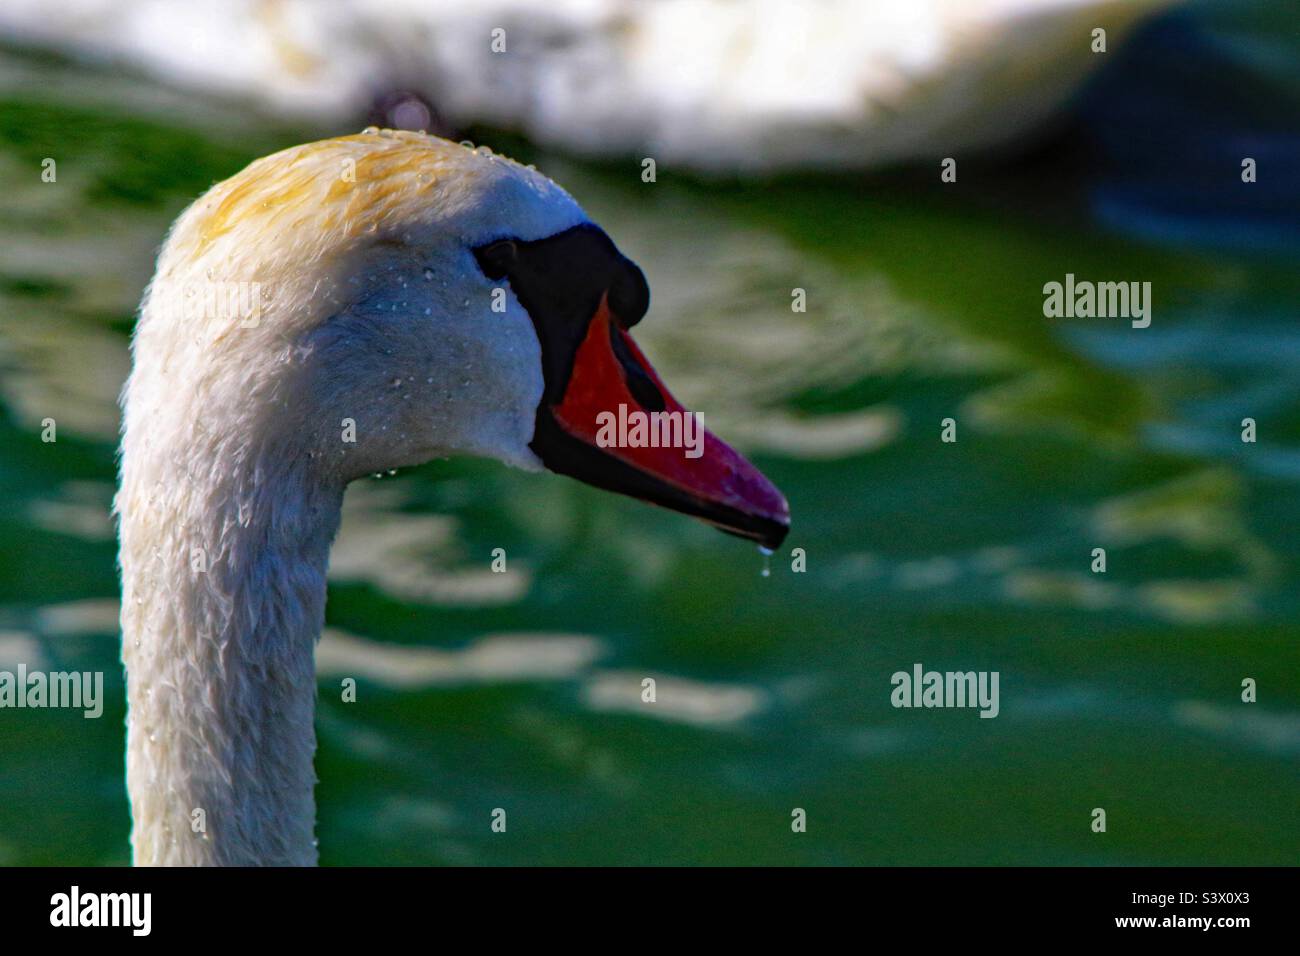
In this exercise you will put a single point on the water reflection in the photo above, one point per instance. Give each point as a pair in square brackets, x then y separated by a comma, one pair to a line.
[526, 686]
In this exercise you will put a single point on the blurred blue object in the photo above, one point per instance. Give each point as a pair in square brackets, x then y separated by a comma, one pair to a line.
[1191, 96]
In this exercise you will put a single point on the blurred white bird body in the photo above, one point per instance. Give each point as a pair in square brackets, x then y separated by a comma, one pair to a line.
[706, 84]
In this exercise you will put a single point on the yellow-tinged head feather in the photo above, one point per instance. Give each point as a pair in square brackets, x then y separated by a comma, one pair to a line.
[348, 185]
[332, 192]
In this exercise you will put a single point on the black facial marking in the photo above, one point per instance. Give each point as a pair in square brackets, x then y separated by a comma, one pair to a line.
[559, 281]
[629, 294]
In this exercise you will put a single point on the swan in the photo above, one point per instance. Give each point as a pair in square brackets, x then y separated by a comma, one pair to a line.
[338, 309]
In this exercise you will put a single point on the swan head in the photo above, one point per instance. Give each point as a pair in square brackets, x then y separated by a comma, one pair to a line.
[375, 301]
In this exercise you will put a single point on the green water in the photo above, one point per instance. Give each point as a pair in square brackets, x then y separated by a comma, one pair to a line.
[521, 690]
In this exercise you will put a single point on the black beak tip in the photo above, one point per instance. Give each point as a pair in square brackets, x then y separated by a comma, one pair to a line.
[776, 535]
[768, 533]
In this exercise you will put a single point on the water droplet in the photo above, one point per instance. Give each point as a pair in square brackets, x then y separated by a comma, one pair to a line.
[767, 561]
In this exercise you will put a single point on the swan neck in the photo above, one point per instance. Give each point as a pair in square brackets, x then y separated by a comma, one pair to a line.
[223, 602]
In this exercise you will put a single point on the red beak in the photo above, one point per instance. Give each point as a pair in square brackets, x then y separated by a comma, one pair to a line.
[617, 427]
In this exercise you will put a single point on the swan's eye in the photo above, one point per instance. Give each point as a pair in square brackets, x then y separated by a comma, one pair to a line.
[496, 258]
[629, 294]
